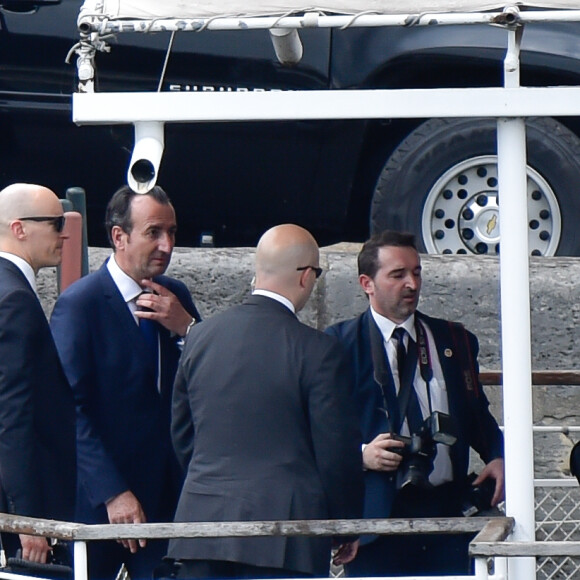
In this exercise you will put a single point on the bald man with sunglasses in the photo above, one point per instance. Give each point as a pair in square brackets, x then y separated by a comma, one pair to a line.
[37, 414]
[263, 425]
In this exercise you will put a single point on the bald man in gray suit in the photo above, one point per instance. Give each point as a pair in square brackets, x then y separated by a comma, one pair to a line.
[263, 424]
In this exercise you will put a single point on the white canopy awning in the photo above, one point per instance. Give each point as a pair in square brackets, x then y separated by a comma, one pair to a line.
[103, 17]
[150, 9]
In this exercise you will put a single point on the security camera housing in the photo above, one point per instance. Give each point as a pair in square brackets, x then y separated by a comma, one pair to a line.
[147, 153]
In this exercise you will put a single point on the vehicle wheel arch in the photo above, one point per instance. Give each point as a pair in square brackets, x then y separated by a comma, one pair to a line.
[405, 184]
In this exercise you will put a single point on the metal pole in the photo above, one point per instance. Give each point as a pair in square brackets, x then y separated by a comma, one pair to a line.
[499, 568]
[77, 197]
[80, 561]
[515, 323]
[70, 269]
[481, 571]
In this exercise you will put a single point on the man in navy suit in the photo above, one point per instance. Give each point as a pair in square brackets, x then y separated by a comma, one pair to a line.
[120, 348]
[263, 424]
[37, 416]
[406, 366]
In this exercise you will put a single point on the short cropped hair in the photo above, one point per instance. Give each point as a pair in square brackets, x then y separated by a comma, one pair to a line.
[368, 258]
[119, 208]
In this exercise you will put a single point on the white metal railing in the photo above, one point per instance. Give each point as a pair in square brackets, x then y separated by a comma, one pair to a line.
[510, 104]
[555, 557]
[490, 530]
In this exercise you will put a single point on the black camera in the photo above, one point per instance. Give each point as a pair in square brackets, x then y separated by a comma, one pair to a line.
[477, 499]
[419, 450]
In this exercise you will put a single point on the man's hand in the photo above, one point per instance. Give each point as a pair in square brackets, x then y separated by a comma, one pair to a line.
[126, 509]
[380, 454]
[165, 308]
[345, 553]
[34, 548]
[494, 470]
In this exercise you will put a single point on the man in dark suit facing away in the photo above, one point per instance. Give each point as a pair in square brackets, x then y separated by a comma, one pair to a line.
[37, 415]
[263, 424]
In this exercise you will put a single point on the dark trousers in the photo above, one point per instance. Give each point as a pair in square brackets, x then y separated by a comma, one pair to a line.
[10, 544]
[420, 554]
[106, 557]
[199, 569]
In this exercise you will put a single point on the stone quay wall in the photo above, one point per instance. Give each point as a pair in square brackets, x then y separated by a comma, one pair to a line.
[461, 288]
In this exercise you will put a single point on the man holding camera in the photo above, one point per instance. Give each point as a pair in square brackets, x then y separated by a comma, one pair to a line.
[421, 408]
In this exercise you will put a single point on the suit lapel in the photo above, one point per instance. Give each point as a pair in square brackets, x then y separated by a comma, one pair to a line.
[450, 364]
[365, 348]
[14, 270]
[451, 368]
[115, 302]
[121, 314]
[366, 369]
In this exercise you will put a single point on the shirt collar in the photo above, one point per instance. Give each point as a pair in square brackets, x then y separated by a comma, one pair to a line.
[23, 266]
[128, 288]
[277, 297]
[386, 326]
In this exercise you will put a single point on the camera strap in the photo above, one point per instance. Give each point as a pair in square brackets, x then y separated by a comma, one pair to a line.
[384, 377]
[408, 400]
[424, 356]
[396, 407]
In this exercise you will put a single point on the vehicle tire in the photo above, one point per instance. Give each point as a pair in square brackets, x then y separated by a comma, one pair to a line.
[441, 184]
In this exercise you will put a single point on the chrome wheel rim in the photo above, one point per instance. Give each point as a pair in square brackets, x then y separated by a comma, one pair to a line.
[461, 212]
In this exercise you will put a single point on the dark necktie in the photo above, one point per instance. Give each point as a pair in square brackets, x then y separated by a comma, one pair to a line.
[399, 336]
[150, 332]
[406, 375]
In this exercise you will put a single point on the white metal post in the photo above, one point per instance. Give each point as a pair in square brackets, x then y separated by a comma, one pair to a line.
[481, 571]
[80, 561]
[500, 568]
[515, 322]
[516, 349]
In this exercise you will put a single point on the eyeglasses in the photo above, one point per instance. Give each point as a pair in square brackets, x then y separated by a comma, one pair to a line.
[317, 271]
[56, 221]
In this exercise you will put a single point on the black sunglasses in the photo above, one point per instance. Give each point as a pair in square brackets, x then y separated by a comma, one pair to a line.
[56, 221]
[317, 271]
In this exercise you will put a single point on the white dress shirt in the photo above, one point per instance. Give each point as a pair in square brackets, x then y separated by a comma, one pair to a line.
[128, 288]
[277, 297]
[130, 291]
[437, 392]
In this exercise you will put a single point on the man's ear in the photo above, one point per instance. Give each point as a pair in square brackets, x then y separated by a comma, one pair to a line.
[303, 275]
[118, 237]
[17, 228]
[366, 283]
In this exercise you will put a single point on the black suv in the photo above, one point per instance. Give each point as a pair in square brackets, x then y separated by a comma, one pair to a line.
[341, 179]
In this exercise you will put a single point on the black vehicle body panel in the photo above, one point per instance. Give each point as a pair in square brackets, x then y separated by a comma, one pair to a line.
[236, 179]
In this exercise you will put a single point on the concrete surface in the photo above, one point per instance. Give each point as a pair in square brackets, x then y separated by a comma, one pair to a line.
[462, 288]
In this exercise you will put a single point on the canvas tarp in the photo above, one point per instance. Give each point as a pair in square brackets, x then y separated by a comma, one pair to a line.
[152, 9]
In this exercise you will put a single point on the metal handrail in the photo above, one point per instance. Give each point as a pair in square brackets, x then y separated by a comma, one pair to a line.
[83, 532]
[545, 377]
